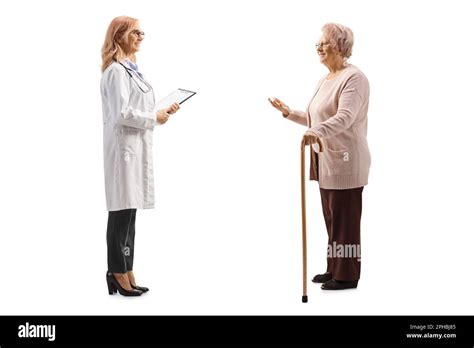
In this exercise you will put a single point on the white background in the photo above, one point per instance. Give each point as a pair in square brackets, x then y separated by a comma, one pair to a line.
[225, 237]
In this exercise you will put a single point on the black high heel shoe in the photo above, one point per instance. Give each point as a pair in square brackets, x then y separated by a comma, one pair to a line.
[141, 288]
[113, 285]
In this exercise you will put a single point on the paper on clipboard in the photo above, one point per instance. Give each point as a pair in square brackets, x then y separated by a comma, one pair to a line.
[179, 96]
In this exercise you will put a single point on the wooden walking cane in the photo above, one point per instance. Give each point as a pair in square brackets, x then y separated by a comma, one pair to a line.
[303, 214]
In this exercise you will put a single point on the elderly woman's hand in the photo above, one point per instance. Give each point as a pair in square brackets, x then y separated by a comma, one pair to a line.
[280, 106]
[309, 138]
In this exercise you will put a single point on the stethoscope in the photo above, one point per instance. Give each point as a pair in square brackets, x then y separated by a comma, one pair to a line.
[144, 86]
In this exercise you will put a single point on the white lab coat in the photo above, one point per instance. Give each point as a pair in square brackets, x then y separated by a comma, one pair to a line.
[129, 120]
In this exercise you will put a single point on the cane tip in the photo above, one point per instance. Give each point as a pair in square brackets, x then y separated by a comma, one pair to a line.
[305, 298]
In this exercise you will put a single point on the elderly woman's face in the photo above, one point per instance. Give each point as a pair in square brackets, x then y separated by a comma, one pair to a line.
[133, 39]
[326, 53]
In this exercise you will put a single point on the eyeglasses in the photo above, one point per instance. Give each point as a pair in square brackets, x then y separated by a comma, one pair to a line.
[138, 33]
[321, 44]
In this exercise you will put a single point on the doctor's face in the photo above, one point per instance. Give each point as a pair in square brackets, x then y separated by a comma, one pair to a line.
[133, 40]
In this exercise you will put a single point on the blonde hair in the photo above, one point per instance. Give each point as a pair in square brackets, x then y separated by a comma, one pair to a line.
[340, 38]
[111, 49]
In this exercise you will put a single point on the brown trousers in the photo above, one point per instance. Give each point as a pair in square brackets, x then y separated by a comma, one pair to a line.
[342, 210]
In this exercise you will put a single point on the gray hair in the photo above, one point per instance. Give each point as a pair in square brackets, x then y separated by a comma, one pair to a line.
[339, 37]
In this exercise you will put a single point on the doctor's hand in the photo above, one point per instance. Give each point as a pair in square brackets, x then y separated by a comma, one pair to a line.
[173, 108]
[162, 116]
[280, 106]
[309, 138]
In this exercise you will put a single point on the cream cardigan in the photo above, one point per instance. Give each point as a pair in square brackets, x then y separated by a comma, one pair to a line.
[337, 114]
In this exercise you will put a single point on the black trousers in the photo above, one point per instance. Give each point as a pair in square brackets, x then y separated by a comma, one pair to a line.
[121, 240]
[342, 210]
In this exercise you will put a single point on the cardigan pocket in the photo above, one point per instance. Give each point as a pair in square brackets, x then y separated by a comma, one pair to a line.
[338, 162]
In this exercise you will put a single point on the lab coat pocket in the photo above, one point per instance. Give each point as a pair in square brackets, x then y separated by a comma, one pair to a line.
[339, 162]
[129, 142]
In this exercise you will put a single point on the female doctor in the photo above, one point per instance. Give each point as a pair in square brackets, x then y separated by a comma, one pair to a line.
[129, 118]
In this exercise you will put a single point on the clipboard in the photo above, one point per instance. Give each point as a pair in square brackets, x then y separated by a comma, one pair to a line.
[178, 96]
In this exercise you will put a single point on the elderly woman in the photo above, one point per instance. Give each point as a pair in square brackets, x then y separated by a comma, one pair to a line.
[337, 119]
[129, 116]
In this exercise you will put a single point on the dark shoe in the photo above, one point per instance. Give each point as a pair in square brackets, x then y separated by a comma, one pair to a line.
[113, 285]
[339, 285]
[322, 278]
[141, 288]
